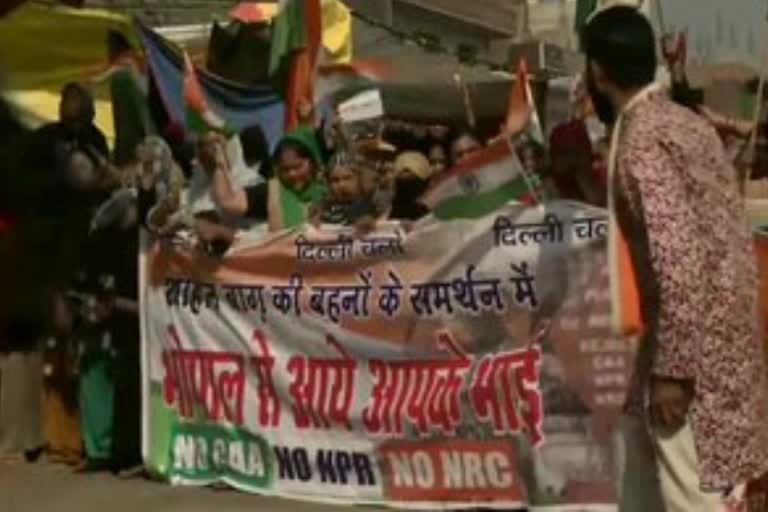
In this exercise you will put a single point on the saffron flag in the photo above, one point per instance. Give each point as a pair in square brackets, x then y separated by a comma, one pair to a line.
[522, 107]
[485, 182]
[296, 41]
[626, 316]
[252, 12]
[199, 116]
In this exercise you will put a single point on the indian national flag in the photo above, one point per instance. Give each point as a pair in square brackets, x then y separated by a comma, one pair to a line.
[485, 182]
[626, 314]
[521, 100]
[295, 49]
[199, 116]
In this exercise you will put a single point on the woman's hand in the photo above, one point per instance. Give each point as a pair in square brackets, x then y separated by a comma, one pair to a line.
[212, 154]
[160, 215]
[515, 123]
[314, 215]
[208, 231]
[364, 226]
[147, 178]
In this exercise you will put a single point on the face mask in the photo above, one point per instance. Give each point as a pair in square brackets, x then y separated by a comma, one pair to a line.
[408, 190]
[603, 107]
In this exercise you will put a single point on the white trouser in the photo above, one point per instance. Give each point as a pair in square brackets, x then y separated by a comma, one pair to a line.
[661, 472]
[21, 394]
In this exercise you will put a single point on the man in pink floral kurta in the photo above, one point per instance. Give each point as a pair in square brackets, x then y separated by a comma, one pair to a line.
[697, 413]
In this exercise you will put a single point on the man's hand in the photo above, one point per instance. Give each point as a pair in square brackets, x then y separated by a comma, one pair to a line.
[670, 402]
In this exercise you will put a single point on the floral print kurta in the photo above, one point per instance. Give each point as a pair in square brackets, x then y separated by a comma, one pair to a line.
[679, 205]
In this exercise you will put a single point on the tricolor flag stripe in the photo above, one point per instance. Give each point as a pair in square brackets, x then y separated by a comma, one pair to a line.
[198, 116]
[626, 316]
[486, 181]
[534, 129]
[493, 155]
[483, 203]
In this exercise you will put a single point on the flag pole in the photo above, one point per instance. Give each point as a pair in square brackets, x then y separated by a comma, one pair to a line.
[659, 14]
[758, 110]
[464, 92]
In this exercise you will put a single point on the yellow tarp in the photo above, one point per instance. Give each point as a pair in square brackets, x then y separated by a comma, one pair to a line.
[337, 32]
[44, 47]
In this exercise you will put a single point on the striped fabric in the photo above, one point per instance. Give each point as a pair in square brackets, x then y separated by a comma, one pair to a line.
[488, 180]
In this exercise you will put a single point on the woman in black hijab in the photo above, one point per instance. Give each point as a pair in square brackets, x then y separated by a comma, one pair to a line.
[52, 193]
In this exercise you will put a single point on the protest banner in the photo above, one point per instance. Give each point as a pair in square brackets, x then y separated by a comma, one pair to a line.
[463, 363]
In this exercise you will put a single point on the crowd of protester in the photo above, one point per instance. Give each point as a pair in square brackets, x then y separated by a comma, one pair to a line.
[71, 219]
[71, 333]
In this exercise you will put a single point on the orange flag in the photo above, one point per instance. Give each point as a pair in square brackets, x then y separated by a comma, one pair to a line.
[299, 96]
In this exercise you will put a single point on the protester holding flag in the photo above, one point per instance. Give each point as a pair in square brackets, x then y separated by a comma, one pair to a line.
[465, 143]
[128, 89]
[674, 194]
[283, 201]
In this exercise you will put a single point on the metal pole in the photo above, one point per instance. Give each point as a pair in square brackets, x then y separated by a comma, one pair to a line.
[659, 16]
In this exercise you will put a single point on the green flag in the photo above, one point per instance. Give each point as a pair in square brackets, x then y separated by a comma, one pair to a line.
[288, 33]
[584, 9]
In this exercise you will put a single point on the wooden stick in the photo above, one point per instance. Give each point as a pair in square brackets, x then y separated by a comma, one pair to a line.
[758, 111]
[464, 91]
[659, 15]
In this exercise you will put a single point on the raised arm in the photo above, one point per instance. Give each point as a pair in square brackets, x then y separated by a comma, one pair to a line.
[233, 202]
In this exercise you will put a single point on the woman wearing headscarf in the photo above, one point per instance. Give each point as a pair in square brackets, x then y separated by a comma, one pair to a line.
[156, 173]
[108, 338]
[52, 193]
[283, 201]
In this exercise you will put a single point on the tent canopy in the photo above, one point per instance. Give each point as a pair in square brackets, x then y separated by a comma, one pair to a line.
[422, 87]
[48, 46]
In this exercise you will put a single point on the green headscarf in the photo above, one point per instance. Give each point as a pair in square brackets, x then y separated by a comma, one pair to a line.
[295, 204]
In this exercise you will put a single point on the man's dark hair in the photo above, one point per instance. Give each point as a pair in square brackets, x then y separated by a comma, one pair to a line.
[621, 40]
